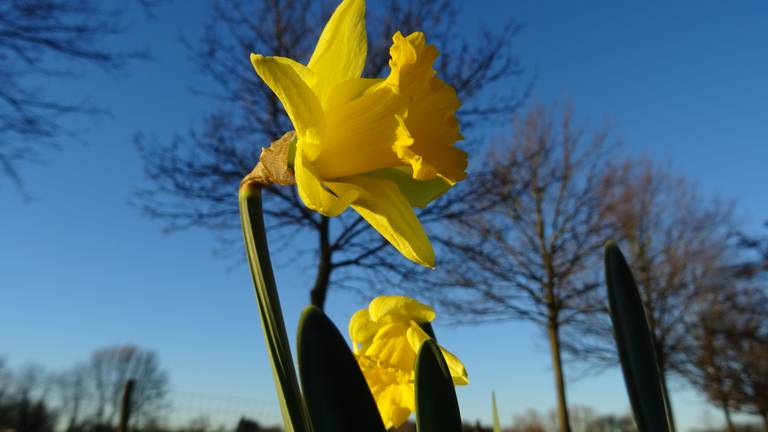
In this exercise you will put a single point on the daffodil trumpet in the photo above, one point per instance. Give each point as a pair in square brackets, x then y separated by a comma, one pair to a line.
[381, 146]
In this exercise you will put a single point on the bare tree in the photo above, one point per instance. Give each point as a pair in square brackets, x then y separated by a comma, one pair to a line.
[753, 264]
[754, 376]
[109, 369]
[679, 249]
[5, 379]
[745, 327]
[23, 407]
[529, 251]
[530, 421]
[71, 389]
[582, 418]
[729, 362]
[714, 359]
[40, 42]
[195, 177]
[31, 383]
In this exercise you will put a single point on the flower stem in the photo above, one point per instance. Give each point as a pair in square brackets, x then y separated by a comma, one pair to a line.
[292, 405]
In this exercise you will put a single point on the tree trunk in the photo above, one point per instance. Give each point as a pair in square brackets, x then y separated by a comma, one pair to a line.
[728, 421]
[324, 267]
[125, 406]
[557, 368]
[765, 421]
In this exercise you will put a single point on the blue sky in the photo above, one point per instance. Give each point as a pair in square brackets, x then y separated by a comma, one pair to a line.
[685, 84]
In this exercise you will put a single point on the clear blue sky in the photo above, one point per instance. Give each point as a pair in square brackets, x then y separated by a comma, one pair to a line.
[685, 83]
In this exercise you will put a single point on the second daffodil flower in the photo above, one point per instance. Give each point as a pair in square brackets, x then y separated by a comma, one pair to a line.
[381, 146]
[386, 338]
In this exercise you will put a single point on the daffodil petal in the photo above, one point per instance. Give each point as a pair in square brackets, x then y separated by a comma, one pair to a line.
[286, 79]
[418, 192]
[402, 307]
[391, 348]
[305, 73]
[364, 135]
[389, 361]
[381, 203]
[348, 90]
[342, 47]
[417, 336]
[362, 329]
[456, 367]
[396, 402]
[311, 189]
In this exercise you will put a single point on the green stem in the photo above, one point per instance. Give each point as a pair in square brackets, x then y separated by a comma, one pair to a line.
[291, 403]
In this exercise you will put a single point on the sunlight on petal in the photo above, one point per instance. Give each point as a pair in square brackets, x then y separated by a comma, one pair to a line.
[314, 194]
[386, 209]
[341, 50]
[361, 135]
[303, 108]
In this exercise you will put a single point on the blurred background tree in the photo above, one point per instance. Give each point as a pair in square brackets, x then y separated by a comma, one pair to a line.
[71, 388]
[85, 397]
[678, 245]
[41, 42]
[753, 264]
[109, 369]
[196, 176]
[726, 341]
[24, 406]
[704, 288]
[546, 202]
[530, 249]
[748, 337]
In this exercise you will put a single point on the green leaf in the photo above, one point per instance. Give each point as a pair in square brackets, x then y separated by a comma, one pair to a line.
[495, 413]
[294, 413]
[427, 327]
[635, 344]
[437, 409]
[418, 192]
[337, 396]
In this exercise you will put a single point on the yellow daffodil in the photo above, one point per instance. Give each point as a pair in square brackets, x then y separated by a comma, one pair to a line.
[386, 338]
[382, 146]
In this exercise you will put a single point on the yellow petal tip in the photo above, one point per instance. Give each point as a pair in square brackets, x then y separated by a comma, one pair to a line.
[429, 264]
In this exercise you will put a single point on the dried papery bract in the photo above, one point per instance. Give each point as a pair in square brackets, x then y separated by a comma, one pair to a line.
[274, 163]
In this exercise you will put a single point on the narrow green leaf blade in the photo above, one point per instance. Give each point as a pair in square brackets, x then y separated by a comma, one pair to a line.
[337, 396]
[437, 409]
[635, 344]
[496, 422]
[295, 418]
[427, 327]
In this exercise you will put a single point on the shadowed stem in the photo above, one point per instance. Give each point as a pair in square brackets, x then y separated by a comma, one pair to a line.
[292, 405]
